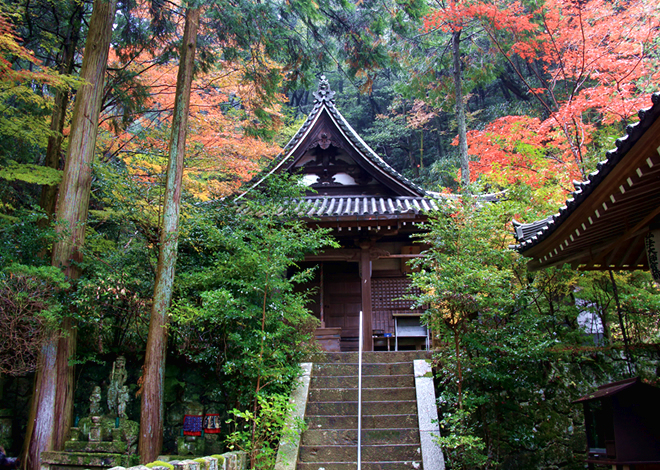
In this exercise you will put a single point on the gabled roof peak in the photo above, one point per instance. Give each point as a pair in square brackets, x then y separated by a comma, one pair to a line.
[325, 123]
[324, 93]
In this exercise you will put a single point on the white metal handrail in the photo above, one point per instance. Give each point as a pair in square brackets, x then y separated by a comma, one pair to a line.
[359, 426]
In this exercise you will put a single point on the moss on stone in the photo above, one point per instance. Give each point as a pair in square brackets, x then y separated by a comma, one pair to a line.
[160, 463]
[221, 458]
[203, 463]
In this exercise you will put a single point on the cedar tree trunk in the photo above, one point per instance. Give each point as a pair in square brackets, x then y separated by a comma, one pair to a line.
[460, 109]
[51, 409]
[151, 415]
[48, 198]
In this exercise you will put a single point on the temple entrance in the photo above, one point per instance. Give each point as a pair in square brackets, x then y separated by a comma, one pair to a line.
[342, 301]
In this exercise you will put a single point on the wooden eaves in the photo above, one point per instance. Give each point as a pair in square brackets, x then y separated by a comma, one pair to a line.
[605, 224]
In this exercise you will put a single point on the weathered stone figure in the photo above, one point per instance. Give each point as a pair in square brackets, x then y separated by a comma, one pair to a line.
[122, 402]
[95, 402]
[117, 381]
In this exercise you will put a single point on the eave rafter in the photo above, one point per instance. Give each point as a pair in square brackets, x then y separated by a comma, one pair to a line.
[604, 225]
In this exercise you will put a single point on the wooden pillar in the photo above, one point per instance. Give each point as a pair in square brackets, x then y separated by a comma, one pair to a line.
[365, 274]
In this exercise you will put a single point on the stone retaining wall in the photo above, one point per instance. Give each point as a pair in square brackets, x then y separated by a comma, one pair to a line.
[226, 461]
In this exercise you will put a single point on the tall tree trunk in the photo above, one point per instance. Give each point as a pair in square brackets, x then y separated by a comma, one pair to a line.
[460, 109]
[151, 416]
[48, 198]
[52, 402]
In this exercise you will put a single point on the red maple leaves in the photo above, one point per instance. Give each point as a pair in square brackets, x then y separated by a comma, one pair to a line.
[588, 65]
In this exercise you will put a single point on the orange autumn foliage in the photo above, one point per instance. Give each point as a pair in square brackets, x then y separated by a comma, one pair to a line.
[511, 151]
[220, 153]
[12, 52]
[589, 64]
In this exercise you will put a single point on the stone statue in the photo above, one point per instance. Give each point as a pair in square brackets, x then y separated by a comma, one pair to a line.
[122, 402]
[96, 430]
[117, 381]
[95, 402]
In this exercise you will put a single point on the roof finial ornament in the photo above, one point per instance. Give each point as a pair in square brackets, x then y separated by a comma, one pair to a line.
[324, 93]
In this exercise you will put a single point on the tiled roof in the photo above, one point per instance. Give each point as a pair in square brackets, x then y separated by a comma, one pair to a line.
[526, 231]
[364, 206]
[529, 235]
[324, 100]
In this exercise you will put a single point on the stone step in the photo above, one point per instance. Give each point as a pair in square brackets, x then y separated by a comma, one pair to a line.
[368, 394]
[384, 453]
[369, 381]
[368, 422]
[341, 369]
[350, 408]
[370, 357]
[346, 437]
[410, 464]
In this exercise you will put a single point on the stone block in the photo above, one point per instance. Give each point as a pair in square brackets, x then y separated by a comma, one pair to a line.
[86, 459]
[221, 461]
[180, 465]
[116, 447]
[241, 460]
[213, 463]
[231, 462]
[193, 464]
[207, 463]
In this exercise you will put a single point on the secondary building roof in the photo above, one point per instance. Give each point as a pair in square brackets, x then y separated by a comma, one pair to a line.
[604, 225]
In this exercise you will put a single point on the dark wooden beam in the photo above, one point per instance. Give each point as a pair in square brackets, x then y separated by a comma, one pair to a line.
[629, 234]
[338, 254]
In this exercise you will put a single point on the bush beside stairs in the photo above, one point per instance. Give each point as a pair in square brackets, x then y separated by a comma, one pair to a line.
[390, 424]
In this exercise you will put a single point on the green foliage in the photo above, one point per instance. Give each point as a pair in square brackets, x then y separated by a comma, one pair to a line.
[48, 274]
[259, 435]
[462, 283]
[29, 173]
[511, 354]
[23, 240]
[461, 448]
[236, 310]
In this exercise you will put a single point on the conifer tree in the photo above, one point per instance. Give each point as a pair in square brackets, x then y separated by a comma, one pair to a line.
[151, 415]
[52, 402]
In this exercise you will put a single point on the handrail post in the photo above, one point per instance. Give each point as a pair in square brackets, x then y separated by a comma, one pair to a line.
[359, 416]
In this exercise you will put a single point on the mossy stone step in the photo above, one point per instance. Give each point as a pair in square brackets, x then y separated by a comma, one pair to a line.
[346, 437]
[369, 381]
[393, 368]
[350, 408]
[368, 394]
[411, 464]
[384, 453]
[370, 357]
[368, 422]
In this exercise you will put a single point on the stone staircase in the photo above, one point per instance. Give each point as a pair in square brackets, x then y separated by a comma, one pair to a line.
[390, 429]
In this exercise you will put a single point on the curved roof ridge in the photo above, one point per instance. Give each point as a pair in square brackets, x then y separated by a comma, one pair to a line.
[324, 98]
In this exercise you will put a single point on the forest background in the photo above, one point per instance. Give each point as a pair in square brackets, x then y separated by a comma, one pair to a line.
[459, 96]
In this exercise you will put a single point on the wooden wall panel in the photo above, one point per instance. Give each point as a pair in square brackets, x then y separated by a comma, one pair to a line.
[386, 295]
